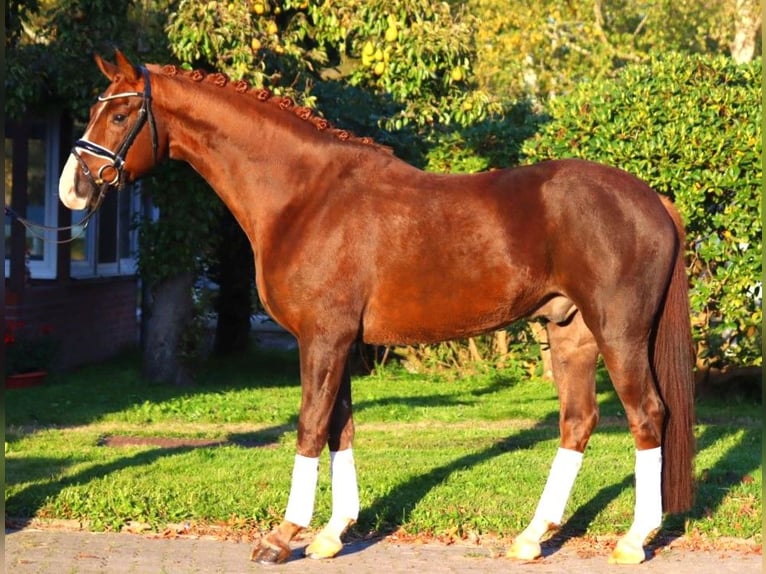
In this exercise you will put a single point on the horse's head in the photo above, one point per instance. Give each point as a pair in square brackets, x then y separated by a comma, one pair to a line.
[120, 142]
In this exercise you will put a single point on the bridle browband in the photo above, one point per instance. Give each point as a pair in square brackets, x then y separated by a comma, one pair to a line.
[117, 159]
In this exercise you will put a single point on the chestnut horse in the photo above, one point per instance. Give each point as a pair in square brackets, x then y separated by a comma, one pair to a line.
[353, 244]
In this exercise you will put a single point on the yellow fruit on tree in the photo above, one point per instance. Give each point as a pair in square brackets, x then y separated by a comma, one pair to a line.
[368, 49]
[456, 74]
[379, 68]
[259, 8]
[255, 44]
[392, 34]
[271, 27]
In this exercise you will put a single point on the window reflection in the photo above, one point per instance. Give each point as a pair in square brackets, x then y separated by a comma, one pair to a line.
[36, 190]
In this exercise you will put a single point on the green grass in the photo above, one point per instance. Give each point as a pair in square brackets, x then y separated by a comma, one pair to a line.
[441, 457]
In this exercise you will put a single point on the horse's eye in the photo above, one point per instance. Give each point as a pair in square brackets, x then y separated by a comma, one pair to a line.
[119, 118]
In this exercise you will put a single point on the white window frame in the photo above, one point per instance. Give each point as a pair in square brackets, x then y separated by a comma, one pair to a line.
[46, 269]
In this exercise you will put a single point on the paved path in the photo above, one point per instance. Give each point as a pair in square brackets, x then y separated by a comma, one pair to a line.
[35, 551]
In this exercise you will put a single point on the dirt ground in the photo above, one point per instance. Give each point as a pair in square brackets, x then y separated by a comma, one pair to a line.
[52, 548]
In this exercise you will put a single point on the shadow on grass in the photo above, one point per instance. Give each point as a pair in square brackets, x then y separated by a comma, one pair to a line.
[393, 510]
[493, 385]
[28, 501]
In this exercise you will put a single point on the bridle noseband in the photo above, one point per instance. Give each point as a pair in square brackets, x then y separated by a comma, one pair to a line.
[117, 159]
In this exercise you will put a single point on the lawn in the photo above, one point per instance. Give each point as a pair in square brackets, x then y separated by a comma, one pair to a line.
[444, 457]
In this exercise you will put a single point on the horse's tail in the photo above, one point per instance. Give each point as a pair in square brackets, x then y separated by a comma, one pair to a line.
[673, 362]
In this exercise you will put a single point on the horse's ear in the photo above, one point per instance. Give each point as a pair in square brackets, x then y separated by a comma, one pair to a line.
[107, 68]
[123, 67]
[129, 70]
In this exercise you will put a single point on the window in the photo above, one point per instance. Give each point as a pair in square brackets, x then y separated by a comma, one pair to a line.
[37, 147]
[105, 247]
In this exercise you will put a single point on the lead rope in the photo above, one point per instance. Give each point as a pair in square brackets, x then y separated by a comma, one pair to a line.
[38, 229]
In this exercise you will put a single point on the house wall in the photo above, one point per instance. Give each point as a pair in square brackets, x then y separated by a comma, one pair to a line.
[92, 320]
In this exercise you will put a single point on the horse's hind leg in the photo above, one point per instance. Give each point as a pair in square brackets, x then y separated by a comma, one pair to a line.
[573, 356]
[628, 363]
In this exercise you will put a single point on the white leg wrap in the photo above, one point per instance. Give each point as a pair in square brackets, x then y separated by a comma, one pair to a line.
[648, 510]
[563, 473]
[300, 505]
[345, 491]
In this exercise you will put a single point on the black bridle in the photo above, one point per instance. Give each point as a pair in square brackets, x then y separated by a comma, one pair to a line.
[117, 159]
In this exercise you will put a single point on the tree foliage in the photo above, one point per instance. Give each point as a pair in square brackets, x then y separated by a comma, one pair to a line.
[416, 55]
[50, 45]
[539, 48]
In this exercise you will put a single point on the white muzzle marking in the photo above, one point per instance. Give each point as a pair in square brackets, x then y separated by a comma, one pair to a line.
[67, 192]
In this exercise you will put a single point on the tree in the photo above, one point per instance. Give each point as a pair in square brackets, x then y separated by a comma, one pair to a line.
[234, 273]
[46, 44]
[172, 252]
[416, 57]
[747, 30]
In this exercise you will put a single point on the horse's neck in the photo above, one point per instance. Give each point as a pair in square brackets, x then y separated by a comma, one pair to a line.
[244, 150]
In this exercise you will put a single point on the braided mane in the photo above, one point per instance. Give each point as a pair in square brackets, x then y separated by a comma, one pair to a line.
[267, 96]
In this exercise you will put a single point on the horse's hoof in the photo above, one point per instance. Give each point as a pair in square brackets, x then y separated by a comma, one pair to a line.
[266, 553]
[323, 546]
[627, 552]
[524, 549]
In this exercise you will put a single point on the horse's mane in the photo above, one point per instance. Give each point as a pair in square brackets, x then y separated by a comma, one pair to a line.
[265, 95]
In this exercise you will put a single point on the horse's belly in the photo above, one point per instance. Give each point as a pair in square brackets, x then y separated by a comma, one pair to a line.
[411, 322]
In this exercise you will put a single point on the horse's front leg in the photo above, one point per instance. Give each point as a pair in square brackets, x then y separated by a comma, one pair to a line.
[322, 371]
[345, 492]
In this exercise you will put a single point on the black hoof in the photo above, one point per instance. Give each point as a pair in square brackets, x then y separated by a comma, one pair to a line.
[269, 554]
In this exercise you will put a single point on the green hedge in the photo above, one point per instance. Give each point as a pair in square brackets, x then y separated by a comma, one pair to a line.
[691, 127]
